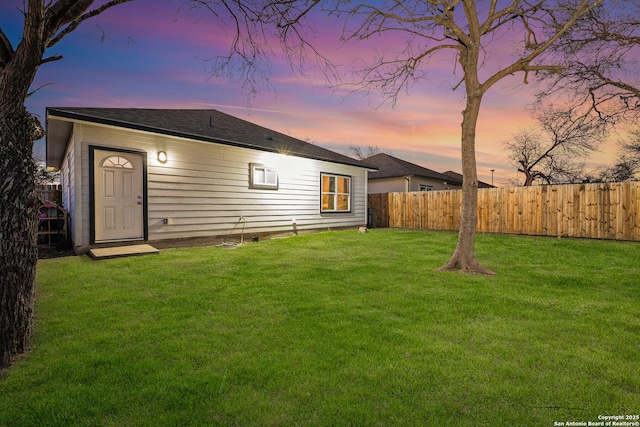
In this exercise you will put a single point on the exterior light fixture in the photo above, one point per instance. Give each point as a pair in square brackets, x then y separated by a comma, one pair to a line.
[162, 157]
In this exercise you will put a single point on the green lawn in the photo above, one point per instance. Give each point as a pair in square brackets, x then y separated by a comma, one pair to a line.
[337, 328]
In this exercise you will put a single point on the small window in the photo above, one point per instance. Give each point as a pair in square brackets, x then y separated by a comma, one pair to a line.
[424, 187]
[117, 162]
[335, 193]
[262, 176]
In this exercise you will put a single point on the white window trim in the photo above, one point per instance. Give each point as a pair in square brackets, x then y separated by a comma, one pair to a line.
[336, 193]
[259, 174]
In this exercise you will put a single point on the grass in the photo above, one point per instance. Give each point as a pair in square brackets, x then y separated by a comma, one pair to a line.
[336, 328]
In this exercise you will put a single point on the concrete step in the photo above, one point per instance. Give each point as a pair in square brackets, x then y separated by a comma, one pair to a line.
[122, 251]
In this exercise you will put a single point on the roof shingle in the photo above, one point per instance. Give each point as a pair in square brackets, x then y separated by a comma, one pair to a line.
[204, 125]
[392, 167]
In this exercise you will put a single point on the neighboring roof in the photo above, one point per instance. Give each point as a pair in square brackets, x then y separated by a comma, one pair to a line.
[459, 176]
[202, 125]
[392, 167]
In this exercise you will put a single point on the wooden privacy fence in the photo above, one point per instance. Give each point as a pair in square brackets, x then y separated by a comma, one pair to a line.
[49, 193]
[598, 211]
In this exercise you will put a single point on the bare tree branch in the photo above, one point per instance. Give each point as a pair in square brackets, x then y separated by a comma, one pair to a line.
[601, 70]
[627, 164]
[555, 152]
[6, 50]
[71, 13]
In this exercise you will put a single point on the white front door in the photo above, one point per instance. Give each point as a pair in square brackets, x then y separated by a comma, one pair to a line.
[118, 195]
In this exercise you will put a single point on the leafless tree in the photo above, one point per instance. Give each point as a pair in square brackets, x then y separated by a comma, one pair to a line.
[602, 72]
[627, 164]
[555, 152]
[602, 75]
[476, 32]
[363, 152]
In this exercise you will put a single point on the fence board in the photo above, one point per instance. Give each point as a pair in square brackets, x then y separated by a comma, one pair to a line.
[599, 211]
[49, 193]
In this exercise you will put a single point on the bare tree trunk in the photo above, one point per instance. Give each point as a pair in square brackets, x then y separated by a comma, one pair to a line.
[18, 229]
[528, 181]
[464, 258]
[18, 201]
[45, 24]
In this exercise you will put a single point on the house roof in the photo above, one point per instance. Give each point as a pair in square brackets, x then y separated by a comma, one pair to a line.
[393, 167]
[459, 176]
[202, 125]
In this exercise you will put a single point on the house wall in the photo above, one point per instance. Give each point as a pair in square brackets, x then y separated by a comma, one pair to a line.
[401, 184]
[68, 180]
[387, 185]
[203, 188]
[416, 181]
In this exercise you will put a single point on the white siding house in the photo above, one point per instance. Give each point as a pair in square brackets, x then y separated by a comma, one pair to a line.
[152, 175]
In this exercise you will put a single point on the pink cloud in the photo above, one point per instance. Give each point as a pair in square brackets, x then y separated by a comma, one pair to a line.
[150, 58]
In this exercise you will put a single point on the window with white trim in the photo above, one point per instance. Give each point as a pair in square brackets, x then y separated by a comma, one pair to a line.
[335, 193]
[424, 187]
[262, 176]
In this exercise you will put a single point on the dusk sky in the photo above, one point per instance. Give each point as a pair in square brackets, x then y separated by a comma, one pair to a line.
[151, 54]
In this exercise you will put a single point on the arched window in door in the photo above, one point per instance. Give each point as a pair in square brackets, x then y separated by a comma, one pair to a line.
[117, 162]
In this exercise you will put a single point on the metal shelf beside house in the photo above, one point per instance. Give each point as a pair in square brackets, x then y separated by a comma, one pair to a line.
[52, 229]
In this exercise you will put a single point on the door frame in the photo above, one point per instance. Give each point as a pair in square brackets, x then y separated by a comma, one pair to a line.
[92, 190]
